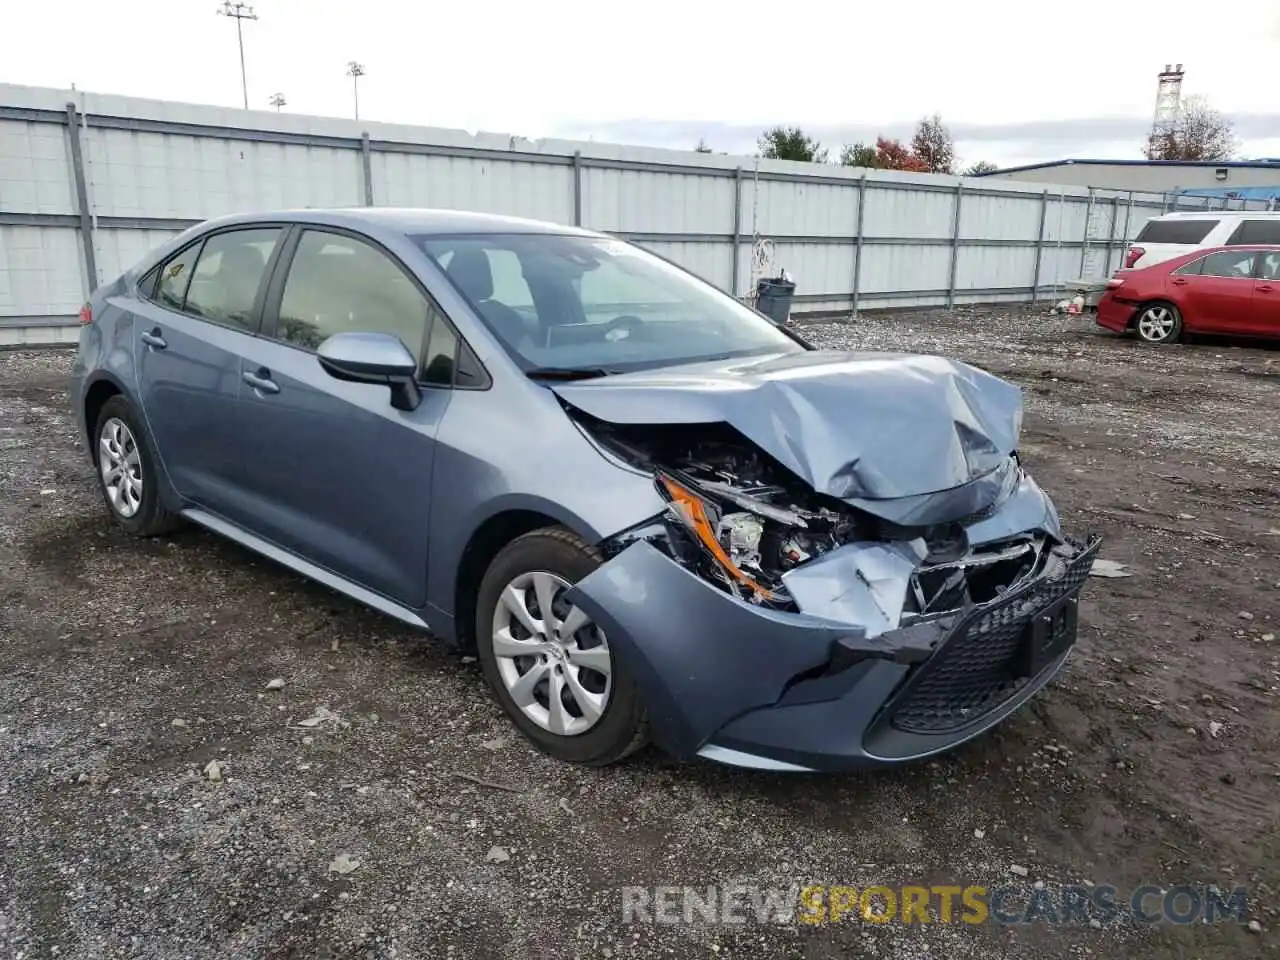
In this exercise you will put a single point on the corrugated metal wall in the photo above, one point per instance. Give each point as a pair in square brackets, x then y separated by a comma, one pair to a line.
[852, 238]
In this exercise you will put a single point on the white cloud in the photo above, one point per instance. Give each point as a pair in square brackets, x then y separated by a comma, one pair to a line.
[563, 66]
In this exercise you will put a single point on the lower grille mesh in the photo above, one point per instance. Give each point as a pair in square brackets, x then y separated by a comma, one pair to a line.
[977, 667]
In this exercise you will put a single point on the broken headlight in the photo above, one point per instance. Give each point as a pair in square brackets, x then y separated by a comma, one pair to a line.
[731, 541]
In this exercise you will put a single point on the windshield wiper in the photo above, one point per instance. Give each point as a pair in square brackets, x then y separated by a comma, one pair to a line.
[566, 373]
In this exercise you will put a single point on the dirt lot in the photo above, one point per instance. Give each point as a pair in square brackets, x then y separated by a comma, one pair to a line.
[126, 666]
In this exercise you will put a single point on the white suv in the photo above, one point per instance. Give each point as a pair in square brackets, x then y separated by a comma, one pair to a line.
[1173, 234]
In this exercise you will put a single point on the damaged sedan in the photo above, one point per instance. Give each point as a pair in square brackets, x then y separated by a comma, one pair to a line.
[653, 514]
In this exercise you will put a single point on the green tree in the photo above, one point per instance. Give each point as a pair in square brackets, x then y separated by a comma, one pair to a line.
[790, 143]
[979, 168]
[933, 146]
[858, 155]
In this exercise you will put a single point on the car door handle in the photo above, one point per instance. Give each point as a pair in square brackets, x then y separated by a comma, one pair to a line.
[1263, 288]
[1179, 281]
[153, 338]
[261, 381]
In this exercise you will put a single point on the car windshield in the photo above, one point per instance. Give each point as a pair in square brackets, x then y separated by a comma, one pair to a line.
[565, 303]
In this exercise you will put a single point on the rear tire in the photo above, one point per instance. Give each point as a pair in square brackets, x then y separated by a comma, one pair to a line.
[125, 458]
[1158, 322]
[597, 717]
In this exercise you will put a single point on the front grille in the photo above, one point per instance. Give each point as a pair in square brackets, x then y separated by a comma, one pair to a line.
[989, 656]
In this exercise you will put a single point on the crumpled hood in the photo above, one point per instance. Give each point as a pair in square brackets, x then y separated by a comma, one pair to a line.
[852, 425]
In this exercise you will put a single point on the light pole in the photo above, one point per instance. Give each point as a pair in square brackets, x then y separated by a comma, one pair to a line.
[355, 71]
[239, 11]
[277, 100]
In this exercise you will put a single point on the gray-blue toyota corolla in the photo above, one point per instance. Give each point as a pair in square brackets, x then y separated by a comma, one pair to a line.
[653, 513]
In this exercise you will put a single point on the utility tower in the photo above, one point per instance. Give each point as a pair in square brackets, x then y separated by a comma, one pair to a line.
[355, 71]
[239, 12]
[1168, 101]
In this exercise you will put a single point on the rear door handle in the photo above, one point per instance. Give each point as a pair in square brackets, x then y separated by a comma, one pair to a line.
[261, 381]
[1263, 288]
[153, 338]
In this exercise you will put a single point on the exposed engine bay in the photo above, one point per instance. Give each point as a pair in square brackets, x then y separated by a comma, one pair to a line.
[744, 522]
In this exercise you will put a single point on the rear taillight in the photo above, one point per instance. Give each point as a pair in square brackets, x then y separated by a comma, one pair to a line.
[1133, 256]
[86, 315]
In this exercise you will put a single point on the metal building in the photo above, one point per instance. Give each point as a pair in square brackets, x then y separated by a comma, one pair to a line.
[1257, 179]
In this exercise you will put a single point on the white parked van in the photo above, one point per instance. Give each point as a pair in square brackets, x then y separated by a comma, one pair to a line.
[1173, 234]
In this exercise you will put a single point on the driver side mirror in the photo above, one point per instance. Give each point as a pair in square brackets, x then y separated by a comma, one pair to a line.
[373, 358]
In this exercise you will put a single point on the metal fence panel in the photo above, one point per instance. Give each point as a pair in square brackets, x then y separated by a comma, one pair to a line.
[834, 263]
[798, 209]
[644, 201]
[33, 168]
[710, 261]
[119, 249]
[906, 213]
[981, 267]
[899, 267]
[41, 272]
[1009, 217]
[402, 179]
[90, 183]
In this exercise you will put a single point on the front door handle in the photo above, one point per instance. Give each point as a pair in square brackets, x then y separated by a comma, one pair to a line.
[1263, 288]
[153, 338]
[261, 381]
[1180, 281]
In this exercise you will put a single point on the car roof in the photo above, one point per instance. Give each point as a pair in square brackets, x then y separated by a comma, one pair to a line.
[412, 221]
[1218, 214]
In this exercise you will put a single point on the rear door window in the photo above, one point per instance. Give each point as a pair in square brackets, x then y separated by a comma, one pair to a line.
[1175, 231]
[1256, 231]
[1270, 266]
[225, 282]
[174, 278]
[1228, 264]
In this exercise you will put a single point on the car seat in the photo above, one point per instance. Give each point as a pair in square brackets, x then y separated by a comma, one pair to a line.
[469, 268]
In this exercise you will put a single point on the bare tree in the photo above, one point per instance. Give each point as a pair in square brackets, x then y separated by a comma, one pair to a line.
[979, 168]
[858, 155]
[1201, 133]
[702, 146]
[790, 143]
[933, 145]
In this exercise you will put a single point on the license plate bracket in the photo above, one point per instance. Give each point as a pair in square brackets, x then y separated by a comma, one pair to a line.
[1051, 631]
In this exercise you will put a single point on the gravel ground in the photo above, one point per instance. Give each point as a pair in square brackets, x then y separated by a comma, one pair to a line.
[126, 667]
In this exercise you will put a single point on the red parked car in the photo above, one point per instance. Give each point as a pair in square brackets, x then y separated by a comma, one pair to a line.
[1226, 290]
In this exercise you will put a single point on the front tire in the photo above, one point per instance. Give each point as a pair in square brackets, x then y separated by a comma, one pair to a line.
[127, 471]
[1158, 323]
[549, 666]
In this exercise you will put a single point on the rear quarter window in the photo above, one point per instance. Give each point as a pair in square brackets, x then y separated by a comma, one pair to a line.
[1256, 231]
[1175, 231]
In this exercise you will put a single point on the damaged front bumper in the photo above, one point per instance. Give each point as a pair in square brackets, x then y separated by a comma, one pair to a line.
[745, 684]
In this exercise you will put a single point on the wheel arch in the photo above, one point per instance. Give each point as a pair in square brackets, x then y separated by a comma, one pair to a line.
[504, 524]
[96, 394]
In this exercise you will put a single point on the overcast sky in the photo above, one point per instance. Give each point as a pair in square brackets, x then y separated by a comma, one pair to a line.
[1017, 82]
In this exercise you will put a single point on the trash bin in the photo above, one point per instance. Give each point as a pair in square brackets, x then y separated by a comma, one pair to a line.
[773, 298]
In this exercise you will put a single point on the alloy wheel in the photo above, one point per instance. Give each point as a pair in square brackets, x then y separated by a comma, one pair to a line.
[120, 463]
[1156, 323]
[553, 661]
